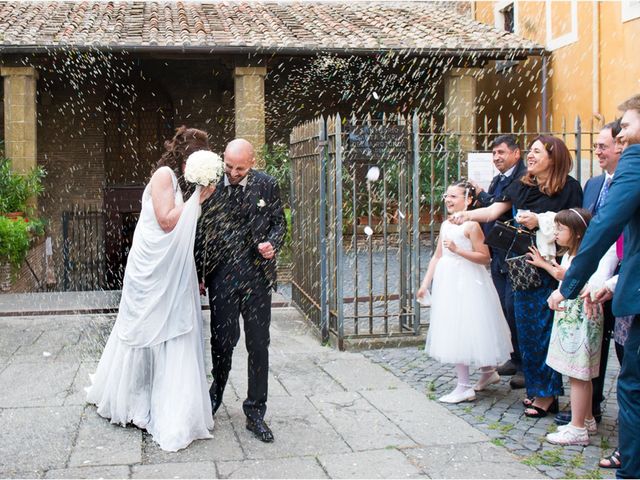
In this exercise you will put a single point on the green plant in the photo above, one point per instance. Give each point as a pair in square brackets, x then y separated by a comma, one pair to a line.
[14, 240]
[16, 189]
[498, 442]
[278, 165]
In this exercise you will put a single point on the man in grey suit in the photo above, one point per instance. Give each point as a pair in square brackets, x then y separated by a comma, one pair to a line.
[621, 211]
[595, 194]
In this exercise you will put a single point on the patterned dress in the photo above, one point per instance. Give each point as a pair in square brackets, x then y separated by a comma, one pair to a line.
[576, 340]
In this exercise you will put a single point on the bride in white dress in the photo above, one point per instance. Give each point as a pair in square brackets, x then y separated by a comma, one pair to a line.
[151, 372]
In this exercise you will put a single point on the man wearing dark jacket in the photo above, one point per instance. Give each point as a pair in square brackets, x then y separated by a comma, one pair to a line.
[506, 158]
[241, 229]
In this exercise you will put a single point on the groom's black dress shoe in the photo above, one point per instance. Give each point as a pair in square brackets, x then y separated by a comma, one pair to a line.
[260, 430]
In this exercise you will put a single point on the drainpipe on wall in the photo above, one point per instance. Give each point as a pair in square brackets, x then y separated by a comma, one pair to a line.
[545, 65]
[595, 106]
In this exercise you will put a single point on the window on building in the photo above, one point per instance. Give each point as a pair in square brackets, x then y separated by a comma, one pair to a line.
[630, 10]
[506, 16]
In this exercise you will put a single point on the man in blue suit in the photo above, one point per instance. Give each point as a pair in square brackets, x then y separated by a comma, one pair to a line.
[507, 159]
[621, 211]
[595, 193]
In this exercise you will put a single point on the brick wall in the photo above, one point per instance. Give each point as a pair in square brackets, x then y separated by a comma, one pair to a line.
[24, 280]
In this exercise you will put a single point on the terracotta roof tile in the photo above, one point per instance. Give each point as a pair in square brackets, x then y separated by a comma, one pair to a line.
[252, 25]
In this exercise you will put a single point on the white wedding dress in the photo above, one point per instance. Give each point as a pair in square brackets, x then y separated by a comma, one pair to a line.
[151, 372]
[467, 324]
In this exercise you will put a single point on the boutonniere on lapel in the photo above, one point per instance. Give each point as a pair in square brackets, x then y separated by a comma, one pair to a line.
[261, 203]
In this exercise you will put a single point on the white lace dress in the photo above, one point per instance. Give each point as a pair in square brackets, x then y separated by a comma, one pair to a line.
[151, 372]
[467, 324]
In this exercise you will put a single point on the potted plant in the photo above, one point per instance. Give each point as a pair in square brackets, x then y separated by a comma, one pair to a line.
[18, 227]
[16, 189]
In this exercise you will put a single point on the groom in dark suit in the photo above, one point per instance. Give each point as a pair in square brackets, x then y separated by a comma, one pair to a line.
[241, 229]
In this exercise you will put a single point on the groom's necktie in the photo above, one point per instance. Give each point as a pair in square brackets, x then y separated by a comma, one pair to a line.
[235, 195]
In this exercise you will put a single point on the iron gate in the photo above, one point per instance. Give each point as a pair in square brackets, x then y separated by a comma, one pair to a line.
[83, 249]
[355, 226]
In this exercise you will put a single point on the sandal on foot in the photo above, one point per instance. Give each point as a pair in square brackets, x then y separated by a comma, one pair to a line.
[528, 401]
[613, 459]
[534, 411]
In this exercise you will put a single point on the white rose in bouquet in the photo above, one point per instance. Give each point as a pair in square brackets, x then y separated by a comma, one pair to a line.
[203, 168]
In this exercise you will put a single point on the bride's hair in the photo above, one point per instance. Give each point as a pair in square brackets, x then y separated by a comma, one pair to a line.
[177, 150]
[469, 192]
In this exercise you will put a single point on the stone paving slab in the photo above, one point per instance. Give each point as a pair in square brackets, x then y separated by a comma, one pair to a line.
[471, 460]
[422, 421]
[175, 470]
[38, 438]
[222, 447]
[100, 442]
[90, 472]
[354, 372]
[302, 431]
[359, 423]
[389, 463]
[296, 467]
[48, 383]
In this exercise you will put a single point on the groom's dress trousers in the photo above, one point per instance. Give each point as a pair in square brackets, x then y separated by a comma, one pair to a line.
[239, 285]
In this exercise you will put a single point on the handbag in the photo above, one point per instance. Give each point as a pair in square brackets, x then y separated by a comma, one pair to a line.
[504, 236]
[523, 275]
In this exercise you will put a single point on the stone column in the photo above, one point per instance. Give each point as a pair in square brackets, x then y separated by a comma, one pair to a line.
[460, 105]
[20, 119]
[249, 106]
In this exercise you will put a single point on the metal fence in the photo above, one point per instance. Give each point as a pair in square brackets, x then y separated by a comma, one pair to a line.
[83, 249]
[360, 247]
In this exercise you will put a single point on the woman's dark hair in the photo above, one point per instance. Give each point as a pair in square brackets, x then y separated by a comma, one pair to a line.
[559, 169]
[576, 220]
[177, 150]
[469, 190]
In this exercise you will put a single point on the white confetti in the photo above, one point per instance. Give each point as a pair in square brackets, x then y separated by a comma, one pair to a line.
[376, 96]
[368, 230]
[373, 174]
[46, 354]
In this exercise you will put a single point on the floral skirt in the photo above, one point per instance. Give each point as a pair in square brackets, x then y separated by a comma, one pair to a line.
[574, 349]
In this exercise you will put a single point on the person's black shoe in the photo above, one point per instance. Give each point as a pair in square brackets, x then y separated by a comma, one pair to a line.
[507, 368]
[261, 430]
[564, 418]
[517, 381]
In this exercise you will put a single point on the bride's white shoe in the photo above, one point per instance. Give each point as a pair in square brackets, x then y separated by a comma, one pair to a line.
[466, 395]
[490, 380]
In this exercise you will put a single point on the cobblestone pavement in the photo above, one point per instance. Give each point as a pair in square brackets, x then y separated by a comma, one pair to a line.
[498, 412]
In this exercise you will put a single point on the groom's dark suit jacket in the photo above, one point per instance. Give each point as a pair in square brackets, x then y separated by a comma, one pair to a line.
[263, 206]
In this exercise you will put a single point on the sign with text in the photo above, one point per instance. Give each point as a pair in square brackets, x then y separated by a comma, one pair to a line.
[481, 169]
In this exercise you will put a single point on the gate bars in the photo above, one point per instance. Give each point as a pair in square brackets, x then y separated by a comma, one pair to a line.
[335, 216]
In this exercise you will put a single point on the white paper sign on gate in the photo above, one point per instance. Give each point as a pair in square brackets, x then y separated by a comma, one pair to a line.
[481, 168]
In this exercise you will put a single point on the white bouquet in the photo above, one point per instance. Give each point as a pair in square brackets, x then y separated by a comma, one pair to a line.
[203, 168]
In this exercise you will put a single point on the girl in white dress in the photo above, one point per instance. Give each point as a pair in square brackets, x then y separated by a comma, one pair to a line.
[467, 326]
[151, 372]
